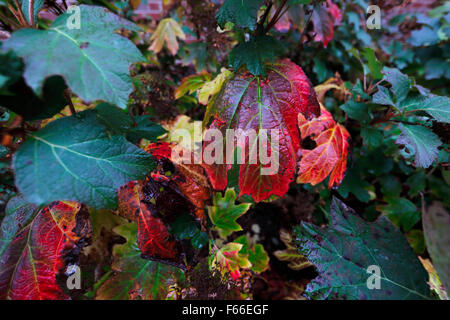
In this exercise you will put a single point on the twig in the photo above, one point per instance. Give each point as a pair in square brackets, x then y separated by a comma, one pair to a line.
[19, 12]
[305, 26]
[31, 11]
[264, 17]
[275, 16]
[69, 100]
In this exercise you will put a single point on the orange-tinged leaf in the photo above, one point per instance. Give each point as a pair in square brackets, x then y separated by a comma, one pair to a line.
[329, 157]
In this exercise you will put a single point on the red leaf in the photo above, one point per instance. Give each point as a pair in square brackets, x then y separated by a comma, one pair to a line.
[248, 102]
[190, 179]
[170, 190]
[324, 18]
[154, 239]
[36, 255]
[329, 157]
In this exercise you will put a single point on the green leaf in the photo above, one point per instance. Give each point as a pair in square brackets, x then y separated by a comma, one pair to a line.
[144, 129]
[93, 60]
[356, 110]
[11, 68]
[402, 212]
[37, 6]
[436, 226]
[420, 141]
[354, 183]
[390, 186]
[344, 250]
[416, 183]
[241, 13]
[383, 96]
[416, 241]
[374, 65]
[255, 53]
[372, 137]
[224, 212]
[294, 2]
[120, 123]
[113, 118]
[436, 106]
[3, 151]
[359, 90]
[399, 81]
[134, 277]
[256, 255]
[185, 227]
[73, 158]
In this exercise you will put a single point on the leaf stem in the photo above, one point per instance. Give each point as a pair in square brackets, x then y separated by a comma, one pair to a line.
[69, 100]
[31, 11]
[276, 16]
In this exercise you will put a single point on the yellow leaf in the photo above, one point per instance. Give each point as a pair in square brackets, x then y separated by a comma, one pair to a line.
[291, 254]
[434, 282]
[213, 87]
[167, 32]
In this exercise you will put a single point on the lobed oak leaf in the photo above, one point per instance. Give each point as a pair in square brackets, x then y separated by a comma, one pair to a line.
[329, 157]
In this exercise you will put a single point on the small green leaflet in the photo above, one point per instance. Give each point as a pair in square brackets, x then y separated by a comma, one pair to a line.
[421, 141]
[120, 123]
[93, 59]
[371, 136]
[240, 12]
[73, 158]
[399, 81]
[185, 227]
[402, 212]
[373, 64]
[224, 212]
[436, 226]
[255, 53]
[343, 251]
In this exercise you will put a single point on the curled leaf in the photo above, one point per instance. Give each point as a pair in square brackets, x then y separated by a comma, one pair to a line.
[329, 157]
